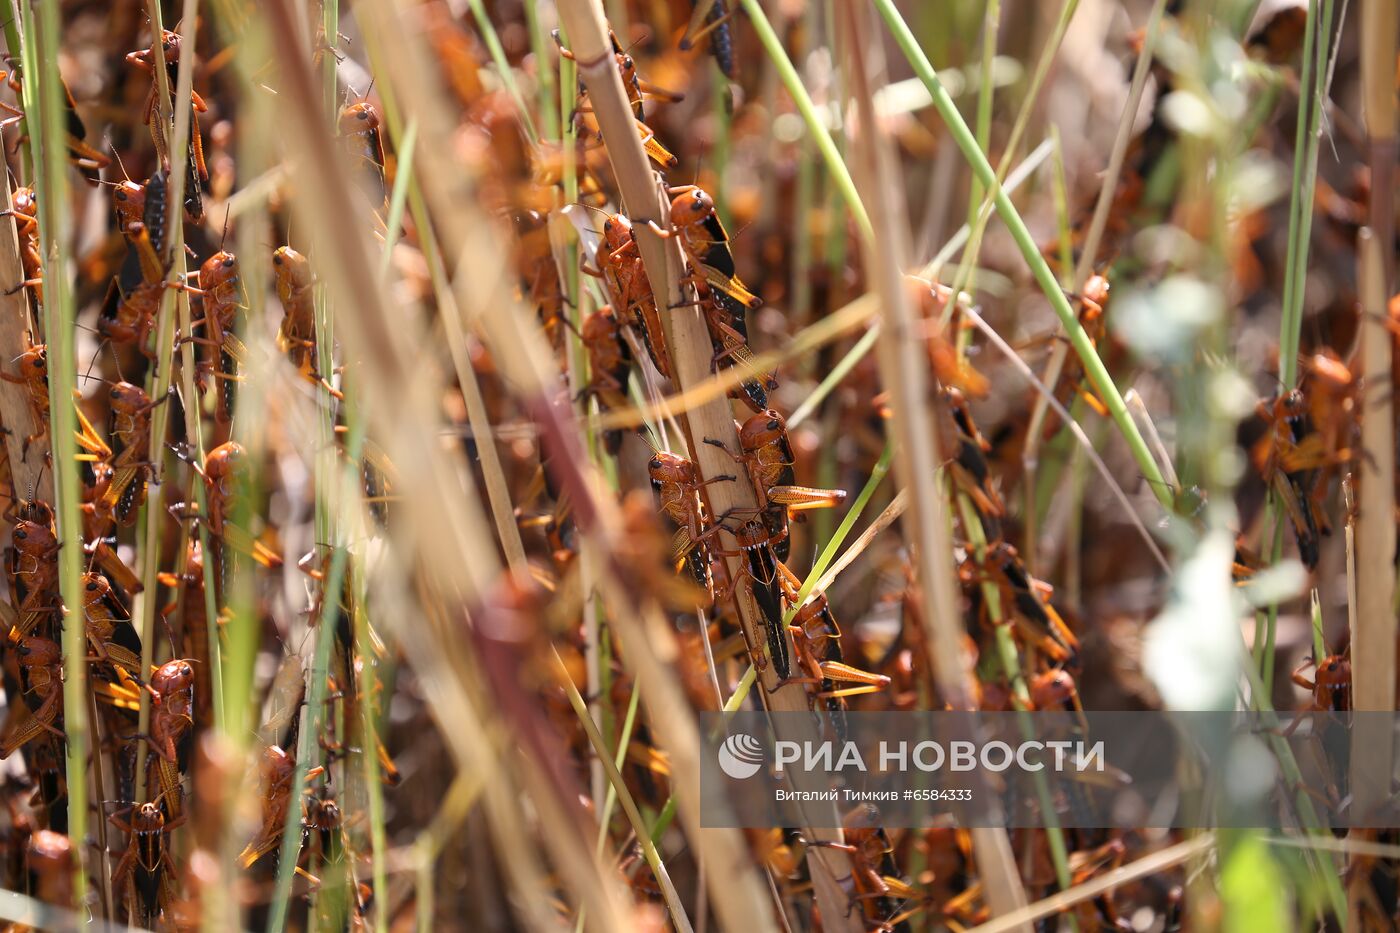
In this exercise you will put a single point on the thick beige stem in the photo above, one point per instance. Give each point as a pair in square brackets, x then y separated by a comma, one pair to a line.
[1373, 640]
[904, 369]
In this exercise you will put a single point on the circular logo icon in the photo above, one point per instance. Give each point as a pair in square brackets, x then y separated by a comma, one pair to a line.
[740, 756]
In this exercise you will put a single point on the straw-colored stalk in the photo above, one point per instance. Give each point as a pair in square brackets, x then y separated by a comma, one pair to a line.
[1148, 865]
[1373, 637]
[904, 371]
[459, 563]
[1380, 36]
[691, 354]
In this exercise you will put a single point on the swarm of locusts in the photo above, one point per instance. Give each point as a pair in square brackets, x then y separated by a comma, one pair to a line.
[415, 413]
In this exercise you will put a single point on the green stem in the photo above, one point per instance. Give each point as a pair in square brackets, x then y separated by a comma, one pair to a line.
[991, 23]
[979, 217]
[1010, 658]
[369, 687]
[1300, 201]
[44, 89]
[309, 746]
[1079, 340]
[1307, 813]
[835, 166]
[507, 74]
[544, 73]
[828, 554]
[328, 499]
[834, 378]
[629, 807]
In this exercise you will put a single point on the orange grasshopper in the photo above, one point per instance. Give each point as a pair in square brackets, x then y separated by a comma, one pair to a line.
[145, 875]
[34, 376]
[619, 265]
[635, 88]
[85, 158]
[1026, 600]
[145, 60]
[538, 272]
[113, 640]
[189, 609]
[609, 366]
[723, 297]
[41, 673]
[359, 127]
[676, 483]
[128, 200]
[706, 244]
[1330, 685]
[873, 880]
[134, 319]
[930, 302]
[99, 522]
[766, 452]
[967, 449]
[223, 472]
[296, 289]
[221, 291]
[1289, 457]
[278, 770]
[816, 640]
[25, 210]
[33, 568]
[50, 857]
[128, 456]
[172, 706]
[762, 576]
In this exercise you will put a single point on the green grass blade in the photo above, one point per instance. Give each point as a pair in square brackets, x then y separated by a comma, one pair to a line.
[835, 165]
[51, 186]
[1079, 340]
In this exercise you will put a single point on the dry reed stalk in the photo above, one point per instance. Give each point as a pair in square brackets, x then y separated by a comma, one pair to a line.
[1379, 44]
[456, 554]
[497, 489]
[1373, 636]
[689, 342]
[904, 371]
[1055, 903]
[1380, 32]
